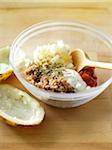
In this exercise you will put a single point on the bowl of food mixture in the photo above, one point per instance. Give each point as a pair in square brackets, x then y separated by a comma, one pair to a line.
[40, 58]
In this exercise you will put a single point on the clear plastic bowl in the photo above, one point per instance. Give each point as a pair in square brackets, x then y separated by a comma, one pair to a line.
[78, 35]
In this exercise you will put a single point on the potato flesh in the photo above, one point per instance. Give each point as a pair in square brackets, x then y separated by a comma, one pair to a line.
[17, 105]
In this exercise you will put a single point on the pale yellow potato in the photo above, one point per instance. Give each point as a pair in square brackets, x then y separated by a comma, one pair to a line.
[18, 108]
[5, 68]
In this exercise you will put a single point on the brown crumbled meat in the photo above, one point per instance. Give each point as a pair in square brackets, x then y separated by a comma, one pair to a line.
[46, 79]
[56, 85]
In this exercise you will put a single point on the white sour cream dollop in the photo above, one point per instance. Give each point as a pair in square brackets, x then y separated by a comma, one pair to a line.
[74, 79]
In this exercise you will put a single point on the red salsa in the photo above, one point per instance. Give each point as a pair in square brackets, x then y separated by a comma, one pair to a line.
[88, 75]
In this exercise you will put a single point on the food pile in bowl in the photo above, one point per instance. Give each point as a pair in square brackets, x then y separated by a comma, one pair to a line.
[45, 66]
[52, 69]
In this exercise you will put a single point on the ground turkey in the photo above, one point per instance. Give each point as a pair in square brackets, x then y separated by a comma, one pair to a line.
[48, 77]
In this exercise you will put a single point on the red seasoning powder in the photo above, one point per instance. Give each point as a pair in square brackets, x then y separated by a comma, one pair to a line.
[88, 75]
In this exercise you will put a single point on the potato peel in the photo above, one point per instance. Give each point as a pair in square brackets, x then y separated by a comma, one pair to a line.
[18, 108]
[4, 61]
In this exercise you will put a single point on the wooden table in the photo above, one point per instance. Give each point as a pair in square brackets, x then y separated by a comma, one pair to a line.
[88, 127]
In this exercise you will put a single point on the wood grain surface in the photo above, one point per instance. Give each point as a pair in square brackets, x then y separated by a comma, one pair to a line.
[88, 127]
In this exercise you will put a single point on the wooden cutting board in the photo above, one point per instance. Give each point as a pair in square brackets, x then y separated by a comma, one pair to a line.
[88, 127]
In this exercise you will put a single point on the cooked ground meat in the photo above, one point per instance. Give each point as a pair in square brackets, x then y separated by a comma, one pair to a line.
[56, 85]
[48, 78]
